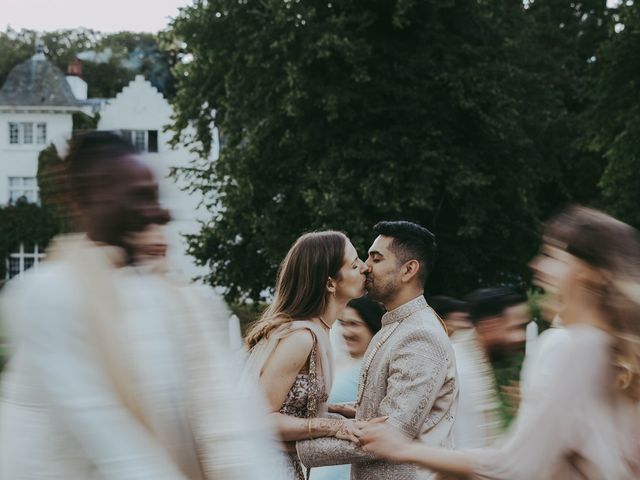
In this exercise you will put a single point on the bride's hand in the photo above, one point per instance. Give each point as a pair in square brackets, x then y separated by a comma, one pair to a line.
[348, 430]
[384, 441]
[352, 430]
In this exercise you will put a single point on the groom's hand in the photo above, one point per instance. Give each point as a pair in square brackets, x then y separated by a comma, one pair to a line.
[347, 410]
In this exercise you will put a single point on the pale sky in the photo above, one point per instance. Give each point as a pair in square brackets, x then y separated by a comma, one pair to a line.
[101, 15]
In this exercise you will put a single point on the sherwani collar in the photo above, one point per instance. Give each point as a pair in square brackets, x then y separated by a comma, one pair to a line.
[405, 310]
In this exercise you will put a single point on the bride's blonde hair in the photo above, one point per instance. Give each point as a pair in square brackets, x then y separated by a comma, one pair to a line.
[613, 247]
[301, 283]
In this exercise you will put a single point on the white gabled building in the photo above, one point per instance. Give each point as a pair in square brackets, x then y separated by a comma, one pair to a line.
[140, 114]
[36, 107]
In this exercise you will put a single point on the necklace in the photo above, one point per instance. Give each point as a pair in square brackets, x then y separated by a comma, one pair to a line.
[324, 323]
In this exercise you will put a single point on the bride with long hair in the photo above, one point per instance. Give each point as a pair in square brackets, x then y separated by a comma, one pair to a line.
[582, 420]
[289, 351]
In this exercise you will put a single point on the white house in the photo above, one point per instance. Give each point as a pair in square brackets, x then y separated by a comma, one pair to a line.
[36, 107]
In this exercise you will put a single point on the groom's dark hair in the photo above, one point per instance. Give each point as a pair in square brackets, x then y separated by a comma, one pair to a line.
[410, 242]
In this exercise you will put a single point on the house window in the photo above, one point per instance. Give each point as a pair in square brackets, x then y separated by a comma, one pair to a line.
[23, 187]
[14, 133]
[27, 133]
[22, 133]
[41, 133]
[152, 141]
[142, 140]
[22, 260]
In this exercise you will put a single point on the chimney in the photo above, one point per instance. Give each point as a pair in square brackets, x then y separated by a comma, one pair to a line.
[75, 69]
[74, 78]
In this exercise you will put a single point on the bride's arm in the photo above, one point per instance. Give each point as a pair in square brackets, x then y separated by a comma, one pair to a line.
[277, 377]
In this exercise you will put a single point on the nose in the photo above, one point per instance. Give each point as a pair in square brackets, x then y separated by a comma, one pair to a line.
[365, 268]
[369, 263]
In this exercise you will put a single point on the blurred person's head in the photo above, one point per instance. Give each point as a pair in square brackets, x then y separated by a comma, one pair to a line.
[360, 321]
[589, 264]
[500, 316]
[454, 312]
[400, 259]
[320, 267]
[114, 192]
[148, 246]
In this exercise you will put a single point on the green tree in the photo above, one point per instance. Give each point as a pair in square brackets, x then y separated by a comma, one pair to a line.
[337, 115]
[15, 47]
[614, 118]
[110, 61]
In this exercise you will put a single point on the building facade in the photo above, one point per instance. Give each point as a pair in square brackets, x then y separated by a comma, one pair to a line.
[37, 103]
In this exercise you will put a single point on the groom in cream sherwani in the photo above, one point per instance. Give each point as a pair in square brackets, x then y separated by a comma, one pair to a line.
[409, 370]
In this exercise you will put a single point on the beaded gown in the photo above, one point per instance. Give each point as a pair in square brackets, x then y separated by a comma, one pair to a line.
[306, 395]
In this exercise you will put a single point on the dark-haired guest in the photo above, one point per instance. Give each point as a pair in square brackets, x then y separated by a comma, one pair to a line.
[454, 312]
[496, 325]
[409, 372]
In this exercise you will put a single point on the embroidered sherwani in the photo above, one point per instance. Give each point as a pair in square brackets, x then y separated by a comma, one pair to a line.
[409, 375]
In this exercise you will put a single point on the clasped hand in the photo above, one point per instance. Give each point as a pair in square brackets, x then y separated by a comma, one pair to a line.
[352, 430]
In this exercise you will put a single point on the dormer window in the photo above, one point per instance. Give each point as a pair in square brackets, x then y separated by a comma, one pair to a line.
[22, 133]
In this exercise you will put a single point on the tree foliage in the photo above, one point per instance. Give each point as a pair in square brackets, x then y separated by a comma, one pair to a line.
[614, 116]
[110, 61]
[26, 223]
[461, 115]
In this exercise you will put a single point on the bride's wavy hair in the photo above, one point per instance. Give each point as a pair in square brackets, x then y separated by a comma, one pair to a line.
[301, 283]
[613, 247]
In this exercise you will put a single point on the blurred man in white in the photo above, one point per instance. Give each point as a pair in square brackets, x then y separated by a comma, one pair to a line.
[496, 327]
[113, 375]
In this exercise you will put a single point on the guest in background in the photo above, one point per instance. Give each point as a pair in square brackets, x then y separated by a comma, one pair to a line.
[454, 312]
[495, 326]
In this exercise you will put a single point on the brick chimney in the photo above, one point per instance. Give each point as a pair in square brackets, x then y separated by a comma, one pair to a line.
[74, 78]
[75, 69]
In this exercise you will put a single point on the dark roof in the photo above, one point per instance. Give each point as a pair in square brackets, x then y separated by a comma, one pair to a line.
[37, 82]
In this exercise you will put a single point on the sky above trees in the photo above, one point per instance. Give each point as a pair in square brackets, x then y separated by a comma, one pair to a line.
[111, 16]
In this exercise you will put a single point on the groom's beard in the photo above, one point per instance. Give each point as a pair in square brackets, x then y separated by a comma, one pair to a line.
[380, 291]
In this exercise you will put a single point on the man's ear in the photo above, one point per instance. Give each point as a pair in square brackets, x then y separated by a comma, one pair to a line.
[409, 270]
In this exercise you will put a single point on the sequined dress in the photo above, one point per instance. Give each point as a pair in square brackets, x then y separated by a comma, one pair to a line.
[303, 401]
